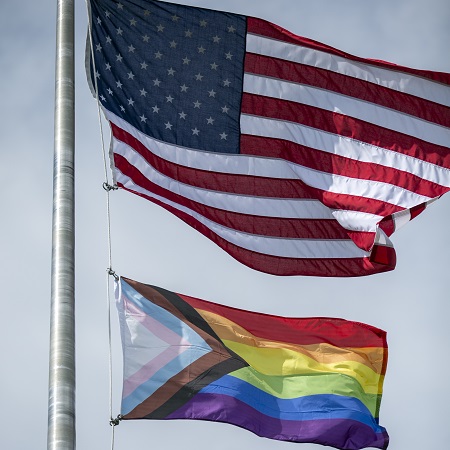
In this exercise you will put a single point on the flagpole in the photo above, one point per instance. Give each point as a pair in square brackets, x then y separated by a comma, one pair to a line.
[61, 392]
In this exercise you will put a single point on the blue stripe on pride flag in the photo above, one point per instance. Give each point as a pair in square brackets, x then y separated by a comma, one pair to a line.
[313, 407]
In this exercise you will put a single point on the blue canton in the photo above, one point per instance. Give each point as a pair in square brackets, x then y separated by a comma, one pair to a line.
[174, 72]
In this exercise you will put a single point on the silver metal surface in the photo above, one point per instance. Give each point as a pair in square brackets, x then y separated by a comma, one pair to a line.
[61, 394]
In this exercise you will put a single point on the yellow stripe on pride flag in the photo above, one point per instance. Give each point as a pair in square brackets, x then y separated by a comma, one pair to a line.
[284, 359]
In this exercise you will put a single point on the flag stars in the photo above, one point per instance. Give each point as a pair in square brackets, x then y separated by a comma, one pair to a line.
[179, 98]
[119, 6]
[107, 14]
[102, 98]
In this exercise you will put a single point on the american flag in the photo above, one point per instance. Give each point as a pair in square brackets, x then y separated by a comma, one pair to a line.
[294, 157]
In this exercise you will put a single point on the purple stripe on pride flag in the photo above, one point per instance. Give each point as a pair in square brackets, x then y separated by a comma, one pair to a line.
[340, 433]
[176, 346]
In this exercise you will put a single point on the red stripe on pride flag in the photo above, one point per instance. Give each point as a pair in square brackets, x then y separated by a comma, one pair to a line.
[270, 30]
[351, 87]
[300, 331]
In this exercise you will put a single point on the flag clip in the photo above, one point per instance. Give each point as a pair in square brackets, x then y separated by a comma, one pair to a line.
[108, 187]
[111, 272]
[116, 421]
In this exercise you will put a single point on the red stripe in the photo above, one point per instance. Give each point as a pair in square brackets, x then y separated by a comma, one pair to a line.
[416, 210]
[299, 331]
[264, 28]
[260, 186]
[275, 265]
[352, 87]
[259, 146]
[259, 225]
[356, 129]
[216, 181]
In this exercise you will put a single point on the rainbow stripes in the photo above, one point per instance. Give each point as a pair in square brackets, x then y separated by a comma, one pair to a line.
[303, 380]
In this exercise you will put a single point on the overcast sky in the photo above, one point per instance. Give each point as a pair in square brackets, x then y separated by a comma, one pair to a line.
[149, 245]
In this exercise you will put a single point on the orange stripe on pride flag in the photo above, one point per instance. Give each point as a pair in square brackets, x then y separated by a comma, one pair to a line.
[323, 353]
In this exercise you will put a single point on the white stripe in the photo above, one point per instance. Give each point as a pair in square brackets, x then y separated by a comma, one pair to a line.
[349, 148]
[250, 205]
[382, 239]
[286, 248]
[278, 168]
[357, 221]
[392, 79]
[255, 206]
[209, 161]
[349, 106]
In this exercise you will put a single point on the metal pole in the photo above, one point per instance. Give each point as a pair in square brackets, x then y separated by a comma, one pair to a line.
[61, 393]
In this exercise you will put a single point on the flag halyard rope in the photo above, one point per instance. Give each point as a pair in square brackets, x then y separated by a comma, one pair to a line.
[110, 272]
